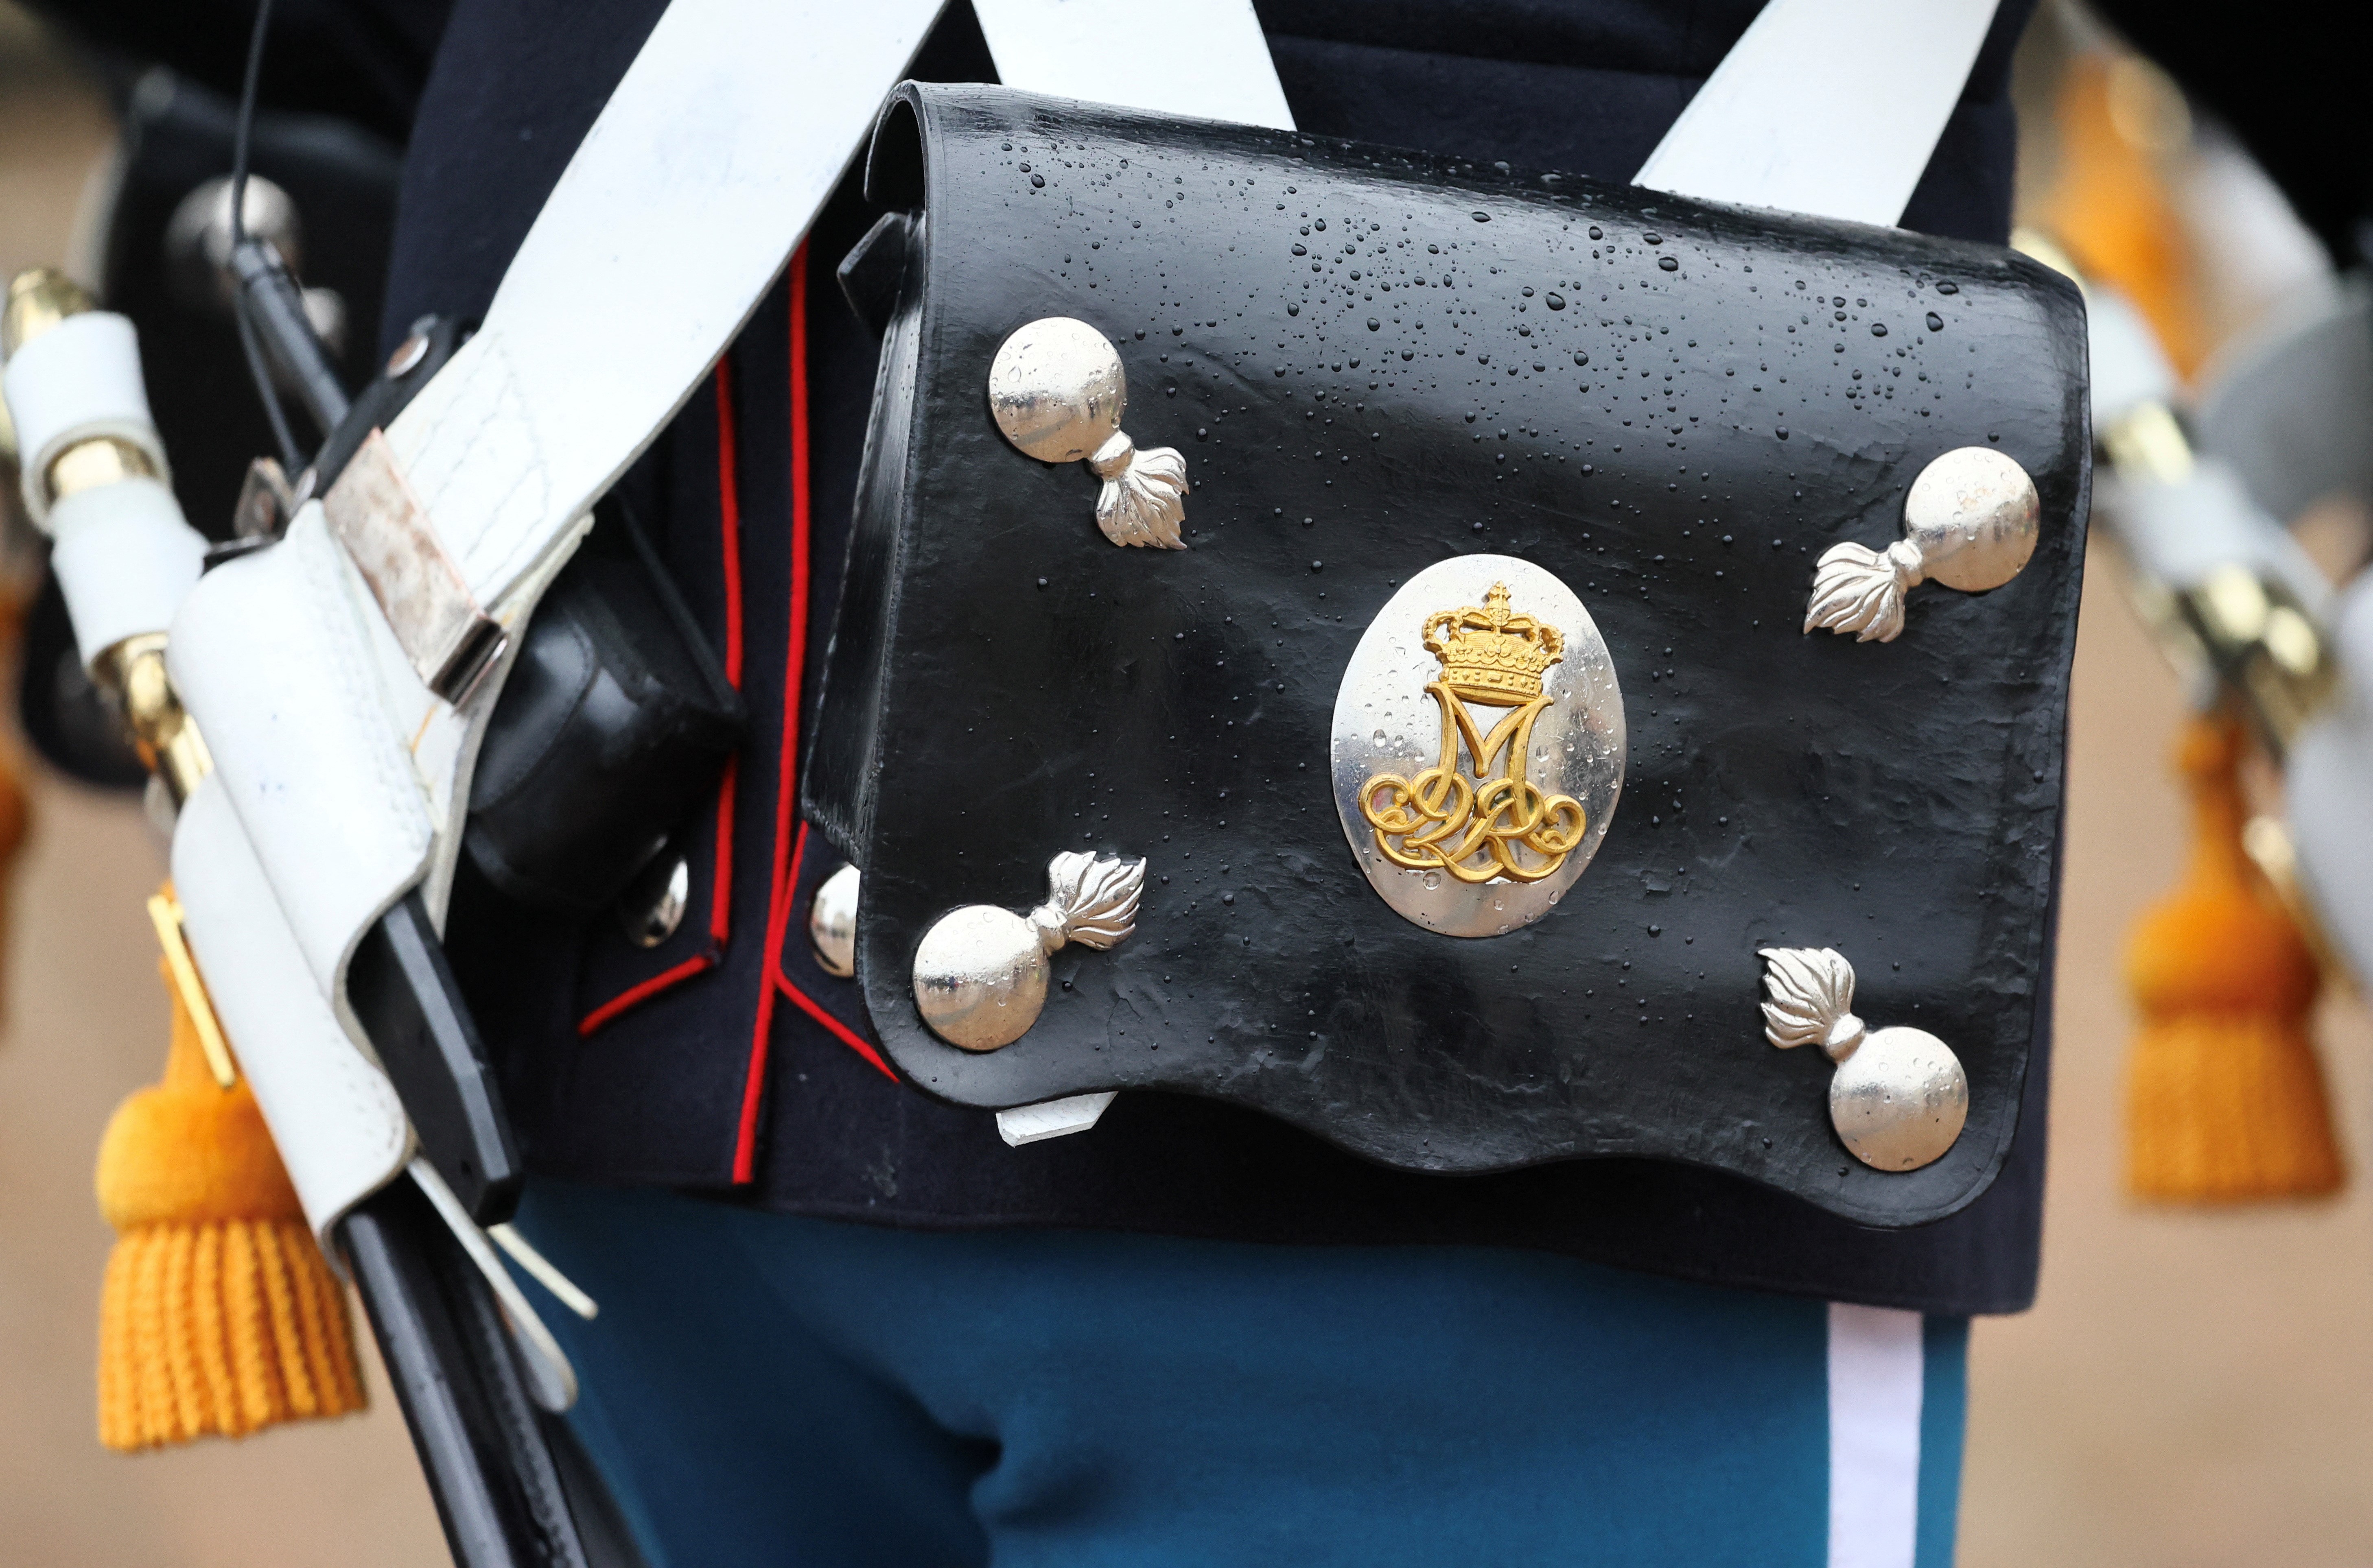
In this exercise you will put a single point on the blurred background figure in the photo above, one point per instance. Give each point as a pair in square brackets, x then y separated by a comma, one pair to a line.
[2192, 1386]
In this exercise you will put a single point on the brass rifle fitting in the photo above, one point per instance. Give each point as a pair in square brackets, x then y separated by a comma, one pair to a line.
[89, 465]
[159, 727]
[133, 671]
[2262, 640]
[2247, 626]
[37, 300]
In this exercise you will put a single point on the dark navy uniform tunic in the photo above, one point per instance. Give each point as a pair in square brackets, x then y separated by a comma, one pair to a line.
[725, 1060]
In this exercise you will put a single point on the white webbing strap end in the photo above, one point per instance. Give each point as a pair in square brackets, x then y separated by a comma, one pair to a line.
[1199, 59]
[1827, 107]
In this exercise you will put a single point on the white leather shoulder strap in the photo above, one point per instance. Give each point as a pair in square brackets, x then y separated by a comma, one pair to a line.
[1202, 59]
[1829, 107]
[700, 175]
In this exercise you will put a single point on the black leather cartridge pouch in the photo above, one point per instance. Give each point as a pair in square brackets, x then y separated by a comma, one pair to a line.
[614, 723]
[1375, 363]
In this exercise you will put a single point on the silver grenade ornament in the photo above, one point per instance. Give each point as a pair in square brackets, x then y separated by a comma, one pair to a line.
[1900, 1097]
[1057, 391]
[1970, 522]
[980, 974]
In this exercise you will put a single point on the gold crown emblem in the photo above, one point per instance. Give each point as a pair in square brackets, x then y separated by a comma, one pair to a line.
[1490, 656]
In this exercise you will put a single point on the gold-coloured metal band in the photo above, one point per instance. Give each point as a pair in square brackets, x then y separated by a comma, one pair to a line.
[2147, 442]
[92, 464]
[37, 300]
[164, 913]
[160, 728]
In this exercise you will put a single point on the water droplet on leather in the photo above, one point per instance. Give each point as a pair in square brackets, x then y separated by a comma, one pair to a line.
[1668, 264]
[1038, 183]
[1935, 322]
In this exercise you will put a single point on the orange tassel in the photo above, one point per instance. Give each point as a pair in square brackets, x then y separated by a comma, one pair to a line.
[219, 1315]
[2111, 206]
[2225, 1098]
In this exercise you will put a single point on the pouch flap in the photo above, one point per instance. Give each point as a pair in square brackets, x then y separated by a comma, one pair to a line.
[1375, 363]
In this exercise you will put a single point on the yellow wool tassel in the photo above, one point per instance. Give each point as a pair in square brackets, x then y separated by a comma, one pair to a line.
[2224, 1097]
[219, 1315]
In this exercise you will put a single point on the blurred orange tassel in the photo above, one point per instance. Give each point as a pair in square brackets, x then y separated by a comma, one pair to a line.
[2224, 1097]
[2112, 206]
[219, 1315]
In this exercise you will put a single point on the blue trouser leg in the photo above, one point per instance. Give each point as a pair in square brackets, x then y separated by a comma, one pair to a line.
[769, 1390]
[732, 1433]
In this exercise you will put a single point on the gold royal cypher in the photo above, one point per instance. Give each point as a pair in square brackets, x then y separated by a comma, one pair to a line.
[1485, 827]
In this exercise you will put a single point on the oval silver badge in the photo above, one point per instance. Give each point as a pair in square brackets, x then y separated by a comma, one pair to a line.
[1478, 746]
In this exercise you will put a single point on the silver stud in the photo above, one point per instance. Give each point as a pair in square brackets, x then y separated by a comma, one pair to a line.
[1899, 1098]
[1057, 391]
[1970, 522]
[980, 974]
[832, 923]
[653, 904]
[407, 355]
[198, 237]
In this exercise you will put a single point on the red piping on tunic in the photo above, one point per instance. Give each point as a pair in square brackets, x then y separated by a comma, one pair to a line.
[772, 980]
[721, 902]
[635, 995]
[809, 1004]
[789, 847]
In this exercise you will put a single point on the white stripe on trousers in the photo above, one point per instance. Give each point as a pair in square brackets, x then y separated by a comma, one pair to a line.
[1876, 1373]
